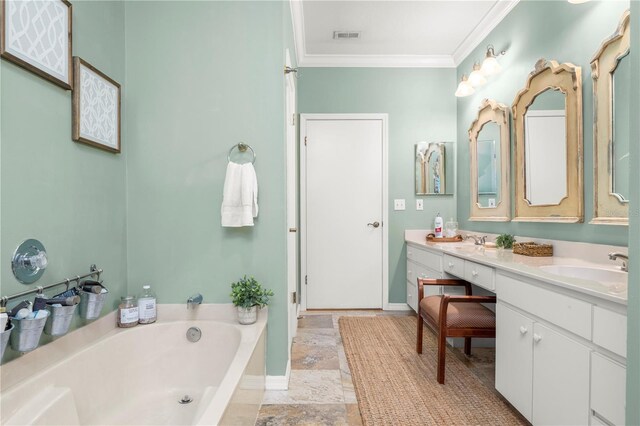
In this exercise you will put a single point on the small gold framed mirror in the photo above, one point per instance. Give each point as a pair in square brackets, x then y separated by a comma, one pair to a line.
[489, 138]
[611, 74]
[547, 116]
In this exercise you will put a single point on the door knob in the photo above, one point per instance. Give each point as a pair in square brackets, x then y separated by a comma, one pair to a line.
[374, 224]
[523, 330]
[537, 337]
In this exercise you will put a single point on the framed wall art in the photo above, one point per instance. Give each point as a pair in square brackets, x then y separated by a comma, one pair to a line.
[36, 35]
[96, 107]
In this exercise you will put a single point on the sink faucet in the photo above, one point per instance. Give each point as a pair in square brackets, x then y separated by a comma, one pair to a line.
[478, 240]
[624, 257]
[194, 300]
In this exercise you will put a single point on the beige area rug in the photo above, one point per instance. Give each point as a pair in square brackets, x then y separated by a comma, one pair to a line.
[396, 386]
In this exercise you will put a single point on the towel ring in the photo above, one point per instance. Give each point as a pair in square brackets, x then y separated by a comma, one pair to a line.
[242, 147]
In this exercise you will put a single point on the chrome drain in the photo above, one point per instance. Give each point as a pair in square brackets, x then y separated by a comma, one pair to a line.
[185, 400]
[194, 334]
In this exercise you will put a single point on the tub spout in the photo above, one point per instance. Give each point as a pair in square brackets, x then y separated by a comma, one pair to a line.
[194, 300]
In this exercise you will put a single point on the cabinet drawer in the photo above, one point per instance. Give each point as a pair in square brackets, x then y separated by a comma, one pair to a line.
[412, 295]
[564, 311]
[610, 330]
[479, 275]
[426, 258]
[453, 265]
[415, 271]
[608, 388]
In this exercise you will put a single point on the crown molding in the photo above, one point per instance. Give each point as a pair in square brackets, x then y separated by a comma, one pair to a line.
[488, 23]
[491, 20]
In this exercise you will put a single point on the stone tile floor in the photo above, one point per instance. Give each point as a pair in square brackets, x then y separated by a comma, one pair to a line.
[320, 387]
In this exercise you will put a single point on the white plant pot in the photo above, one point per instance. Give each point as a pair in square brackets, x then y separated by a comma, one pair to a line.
[247, 315]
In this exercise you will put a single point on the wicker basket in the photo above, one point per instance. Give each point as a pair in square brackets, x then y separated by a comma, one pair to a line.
[529, 248]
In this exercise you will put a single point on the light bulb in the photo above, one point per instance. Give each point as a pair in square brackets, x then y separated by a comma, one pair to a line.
[490, 65]
[476, 78]
[464, 88]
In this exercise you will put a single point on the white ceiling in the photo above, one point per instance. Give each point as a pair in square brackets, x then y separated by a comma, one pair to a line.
[394, 33]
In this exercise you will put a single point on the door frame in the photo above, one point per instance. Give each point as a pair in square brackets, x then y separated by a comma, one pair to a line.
[291, 202]
[384, 118]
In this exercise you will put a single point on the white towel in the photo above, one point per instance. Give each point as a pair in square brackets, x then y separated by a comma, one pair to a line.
[240, 195]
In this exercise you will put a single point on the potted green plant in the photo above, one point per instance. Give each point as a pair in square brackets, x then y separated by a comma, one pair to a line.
[505, 241]
[247, 295]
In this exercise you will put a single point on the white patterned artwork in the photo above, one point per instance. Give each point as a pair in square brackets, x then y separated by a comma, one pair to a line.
[96, 107]
[36, 34]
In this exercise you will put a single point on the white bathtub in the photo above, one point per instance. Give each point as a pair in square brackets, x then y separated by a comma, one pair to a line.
[104, 375]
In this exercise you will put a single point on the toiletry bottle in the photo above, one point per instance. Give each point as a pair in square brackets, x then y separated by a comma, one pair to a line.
[127, 312]
[4, 319]
[437, 228]
[147, 306]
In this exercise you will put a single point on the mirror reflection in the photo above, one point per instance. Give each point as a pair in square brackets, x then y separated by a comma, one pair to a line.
[545, 149]
[488, 158]
[434, 168]
[619, 152]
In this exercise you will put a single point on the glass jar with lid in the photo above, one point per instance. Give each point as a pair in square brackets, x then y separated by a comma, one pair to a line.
[128, 312]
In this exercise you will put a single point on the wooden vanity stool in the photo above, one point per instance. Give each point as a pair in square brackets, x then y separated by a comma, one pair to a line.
[453, 316]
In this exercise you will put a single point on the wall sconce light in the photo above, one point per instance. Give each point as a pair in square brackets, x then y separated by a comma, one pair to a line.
[476, 78]
[464, 88]
[490, 65]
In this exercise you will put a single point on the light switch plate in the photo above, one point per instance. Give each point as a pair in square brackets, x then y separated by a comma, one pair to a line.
[419, 204]
[492, 202]
[398, 204]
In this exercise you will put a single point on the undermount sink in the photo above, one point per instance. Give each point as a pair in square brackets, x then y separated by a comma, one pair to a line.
[615, 280]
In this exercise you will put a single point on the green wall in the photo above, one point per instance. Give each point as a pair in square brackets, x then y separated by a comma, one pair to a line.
[68, 195]
[202, 77]
[633, 294]
[541, 29]
[421, 107]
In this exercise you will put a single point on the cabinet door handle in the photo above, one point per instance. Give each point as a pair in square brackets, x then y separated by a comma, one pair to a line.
[523, 330]
[537, 337]
[450, 265]
[474, 273]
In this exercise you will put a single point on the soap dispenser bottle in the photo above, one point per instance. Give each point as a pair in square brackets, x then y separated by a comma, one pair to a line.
[437, 227]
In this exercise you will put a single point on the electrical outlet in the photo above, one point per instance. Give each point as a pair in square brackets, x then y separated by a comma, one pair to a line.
[419, 204]
[398, 204]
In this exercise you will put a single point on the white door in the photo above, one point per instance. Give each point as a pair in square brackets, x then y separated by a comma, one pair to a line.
[292, 199]
[344, 210]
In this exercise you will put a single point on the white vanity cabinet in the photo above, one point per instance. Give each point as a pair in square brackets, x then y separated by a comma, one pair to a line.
[550, 362]
[421, 263]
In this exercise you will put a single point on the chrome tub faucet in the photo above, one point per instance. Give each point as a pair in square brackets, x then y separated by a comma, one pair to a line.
[624, 257]
[194, 300]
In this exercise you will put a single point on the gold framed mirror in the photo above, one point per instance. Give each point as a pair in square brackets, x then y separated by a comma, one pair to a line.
[609, 67]
[489, 148]
[547, 118]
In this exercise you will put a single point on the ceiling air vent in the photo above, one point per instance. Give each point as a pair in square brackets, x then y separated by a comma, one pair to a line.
[346, 35]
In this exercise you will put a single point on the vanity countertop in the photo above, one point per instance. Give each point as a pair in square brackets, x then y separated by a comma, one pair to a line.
[526, 266]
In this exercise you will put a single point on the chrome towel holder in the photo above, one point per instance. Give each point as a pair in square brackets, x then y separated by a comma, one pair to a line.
[242, 147]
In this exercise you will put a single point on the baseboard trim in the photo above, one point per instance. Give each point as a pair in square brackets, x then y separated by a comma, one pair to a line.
[279, 382]
[397, 307]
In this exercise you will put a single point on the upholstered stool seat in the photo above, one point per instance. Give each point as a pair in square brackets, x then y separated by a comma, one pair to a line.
[453, 316]
[459, 315]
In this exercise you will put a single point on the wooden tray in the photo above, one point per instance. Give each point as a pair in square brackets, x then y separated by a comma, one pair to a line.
[431, 238]
[529, 248]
